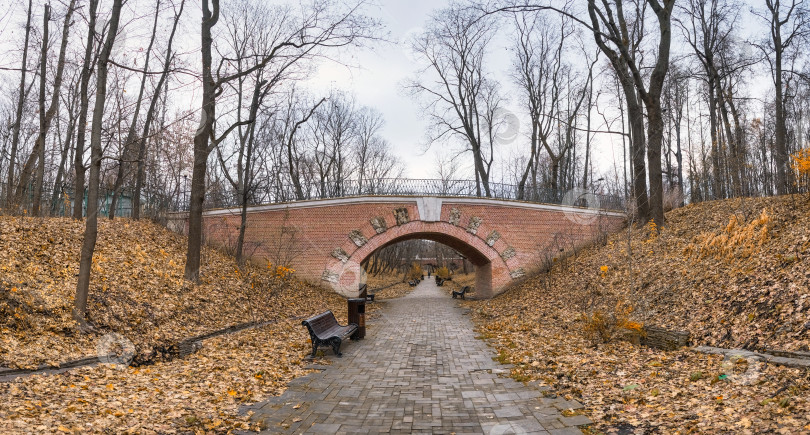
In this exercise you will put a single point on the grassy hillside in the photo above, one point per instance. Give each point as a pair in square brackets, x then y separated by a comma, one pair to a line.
[733, 273]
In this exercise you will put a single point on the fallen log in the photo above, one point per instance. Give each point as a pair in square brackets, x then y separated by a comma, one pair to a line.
[664, 339]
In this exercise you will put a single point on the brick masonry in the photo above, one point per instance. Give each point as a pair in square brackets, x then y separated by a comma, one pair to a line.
[420, 369]
[326, 241]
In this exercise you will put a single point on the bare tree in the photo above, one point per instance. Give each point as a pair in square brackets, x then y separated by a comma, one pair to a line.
[548, 97]
[15, 141]
[37, 156]
[150, 114]
[91, 225]
[619, 32]
[373, 161]
[788, 29]
[127, 151]
[88, 62]
[454, 85]
[615, 43]
[709, 33]
[454, 48]
[325, 25]
[331, 134]
[71, 106]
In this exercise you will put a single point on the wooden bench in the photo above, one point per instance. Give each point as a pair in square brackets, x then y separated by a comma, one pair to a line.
[439, 282]
[324, 330]
[465, 289]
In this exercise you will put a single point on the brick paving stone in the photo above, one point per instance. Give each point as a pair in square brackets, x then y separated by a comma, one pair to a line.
[419, 370]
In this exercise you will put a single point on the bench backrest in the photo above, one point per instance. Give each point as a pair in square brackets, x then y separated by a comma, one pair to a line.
[321, 322]
[465, 289]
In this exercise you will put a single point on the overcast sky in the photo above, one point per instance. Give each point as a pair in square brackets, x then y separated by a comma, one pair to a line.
[376, 79]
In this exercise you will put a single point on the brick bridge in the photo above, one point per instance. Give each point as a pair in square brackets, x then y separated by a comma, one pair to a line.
[326, 241]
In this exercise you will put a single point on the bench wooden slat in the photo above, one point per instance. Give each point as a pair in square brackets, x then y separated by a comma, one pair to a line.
[461, 293]
[324, 329]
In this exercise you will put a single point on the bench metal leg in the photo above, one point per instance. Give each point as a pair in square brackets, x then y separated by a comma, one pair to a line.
[314, 347]
[336, 346]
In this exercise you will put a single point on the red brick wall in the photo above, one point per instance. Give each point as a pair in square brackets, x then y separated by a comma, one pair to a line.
[325, 241]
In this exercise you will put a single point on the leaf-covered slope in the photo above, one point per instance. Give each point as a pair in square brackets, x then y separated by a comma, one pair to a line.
[731, 282]
[137, 290]
[734, 273]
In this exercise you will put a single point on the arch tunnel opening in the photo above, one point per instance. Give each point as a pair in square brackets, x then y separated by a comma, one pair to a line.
[440, 250]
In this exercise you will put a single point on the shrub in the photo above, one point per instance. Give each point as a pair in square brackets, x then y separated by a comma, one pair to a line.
[443, 273]
[737, 239]
[415, 273]
[603, 327]
[280, 271]
[801, 166]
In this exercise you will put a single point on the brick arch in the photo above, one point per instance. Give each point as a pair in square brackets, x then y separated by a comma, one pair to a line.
[505, 239]
[490, 268]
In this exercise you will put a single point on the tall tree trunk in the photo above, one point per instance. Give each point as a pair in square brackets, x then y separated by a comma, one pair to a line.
[678, 150]
[588, 130]
[524, 176]
[655, 126]
[635, 119]
[126, 152]
[780, 134]
[201, 150]
[15, 141]
[57, 184]
[731, 161]
[655, 133]
[38, 153]
[247, 178]
[84, 103]
[91, 228]
[45, 117]
[740, 153]
[140, 172]
[716, 150]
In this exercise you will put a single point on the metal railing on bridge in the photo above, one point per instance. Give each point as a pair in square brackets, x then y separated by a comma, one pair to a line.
[59, 202]
[417, 187]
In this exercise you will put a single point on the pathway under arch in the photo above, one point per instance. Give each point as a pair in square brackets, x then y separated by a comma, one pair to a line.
[420, 369]
[490, 267]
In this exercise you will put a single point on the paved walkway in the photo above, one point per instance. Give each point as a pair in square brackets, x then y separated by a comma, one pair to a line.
[419, 370]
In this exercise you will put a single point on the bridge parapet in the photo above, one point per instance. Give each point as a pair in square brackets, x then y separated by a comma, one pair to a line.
[327, 241]
[424, 188]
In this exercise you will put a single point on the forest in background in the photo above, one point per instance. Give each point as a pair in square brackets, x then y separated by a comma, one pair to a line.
[98, 96]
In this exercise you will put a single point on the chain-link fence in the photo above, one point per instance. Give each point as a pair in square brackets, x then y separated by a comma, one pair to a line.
[60, 201]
